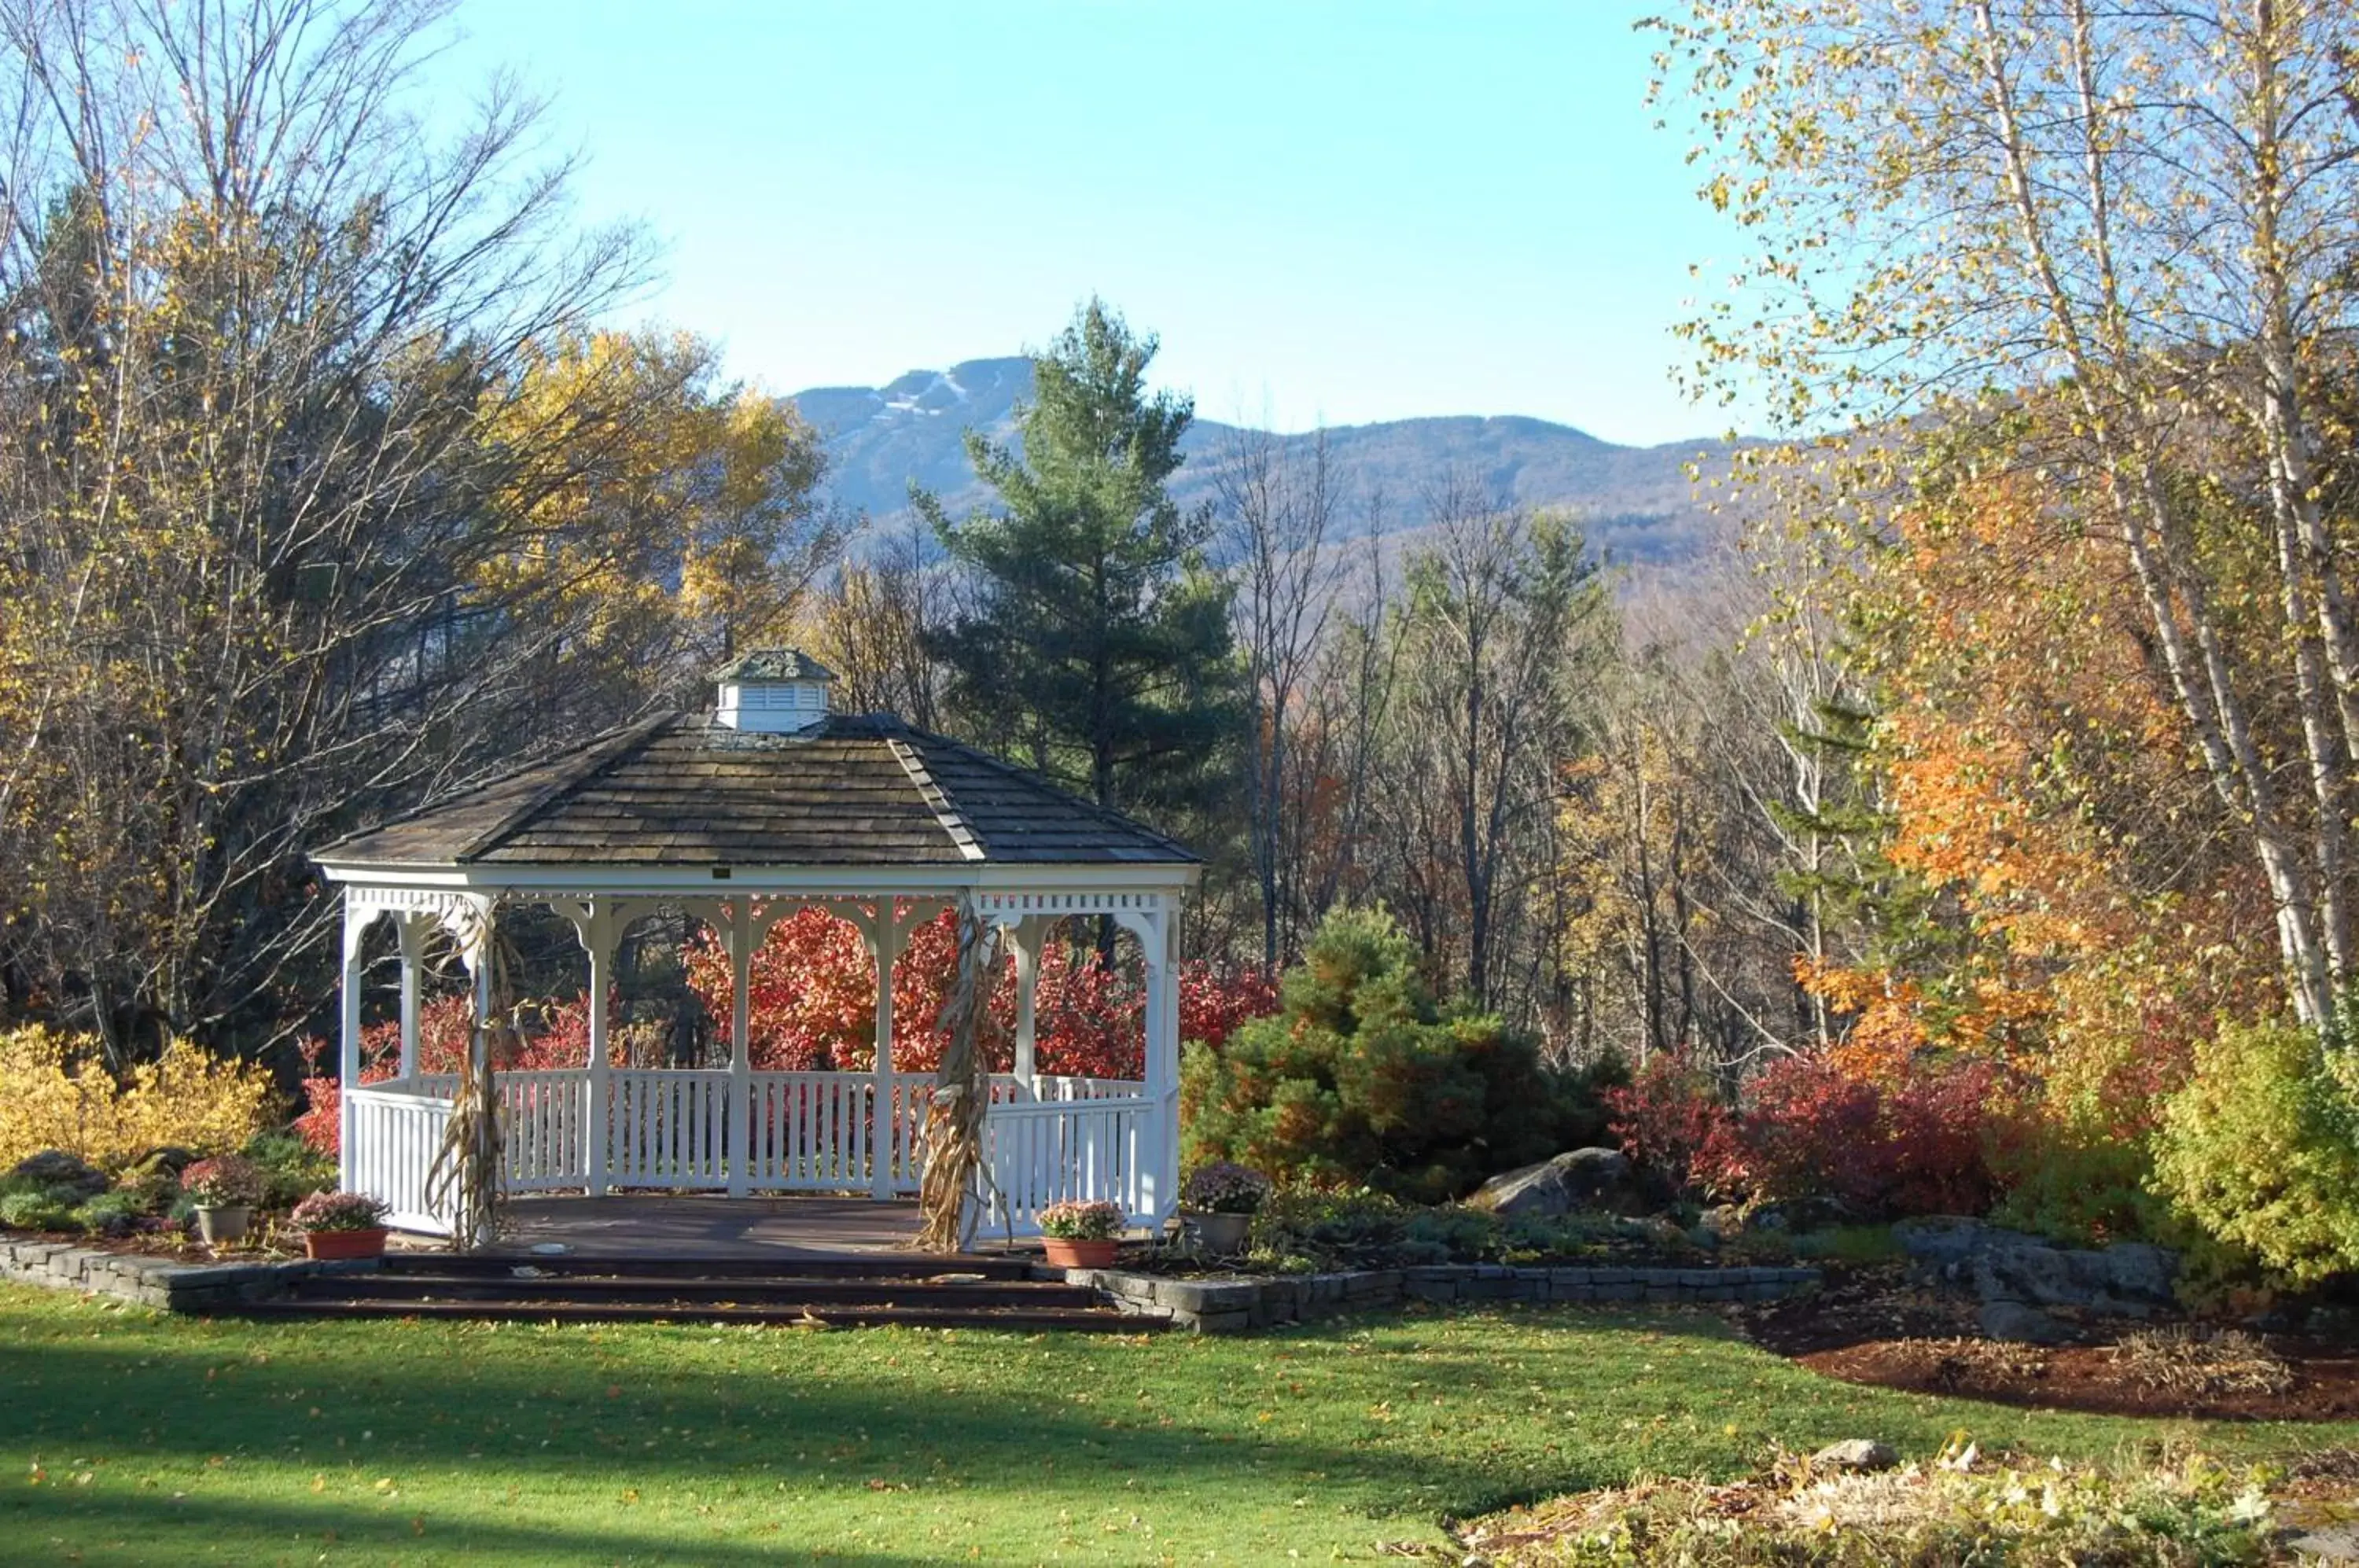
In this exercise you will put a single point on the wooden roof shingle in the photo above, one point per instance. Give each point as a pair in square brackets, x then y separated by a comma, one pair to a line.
[679, 789]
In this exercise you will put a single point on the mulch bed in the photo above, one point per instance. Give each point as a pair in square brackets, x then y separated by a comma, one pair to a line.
[1875, 1326]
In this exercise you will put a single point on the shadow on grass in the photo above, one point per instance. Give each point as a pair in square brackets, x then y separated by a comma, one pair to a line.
[666, 1408]
[147, 1527]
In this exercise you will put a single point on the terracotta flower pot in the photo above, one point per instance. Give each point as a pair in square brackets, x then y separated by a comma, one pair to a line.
[1220, 1234]
[1064, 1253]
[223, 1222]
[367, 1243]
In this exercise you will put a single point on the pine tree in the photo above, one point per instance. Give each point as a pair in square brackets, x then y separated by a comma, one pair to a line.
[1095, 639]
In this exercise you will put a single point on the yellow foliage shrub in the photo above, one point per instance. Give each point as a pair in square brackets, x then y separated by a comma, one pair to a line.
[56, 1097]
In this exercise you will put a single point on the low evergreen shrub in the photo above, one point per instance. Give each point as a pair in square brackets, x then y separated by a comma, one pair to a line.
[36, 1211]
[1362, 1080]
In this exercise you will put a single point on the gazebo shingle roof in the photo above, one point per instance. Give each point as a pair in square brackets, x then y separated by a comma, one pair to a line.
[678, 790]
[774, 664]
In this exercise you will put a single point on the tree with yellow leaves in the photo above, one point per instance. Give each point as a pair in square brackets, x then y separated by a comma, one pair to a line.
[324, 493]
[669, 519]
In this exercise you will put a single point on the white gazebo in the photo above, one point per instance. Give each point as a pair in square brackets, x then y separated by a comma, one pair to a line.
[740, 815]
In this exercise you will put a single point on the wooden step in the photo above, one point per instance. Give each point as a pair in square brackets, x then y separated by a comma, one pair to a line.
[794, 1289]
[816, 1314]
[873, 1266]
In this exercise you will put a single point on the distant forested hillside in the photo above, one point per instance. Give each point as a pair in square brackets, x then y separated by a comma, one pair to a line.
[1637, 503]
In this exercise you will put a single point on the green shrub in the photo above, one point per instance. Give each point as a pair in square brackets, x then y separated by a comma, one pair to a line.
[2081, 1190]
[2259, 1149]
[1449, 1236]
[1361, 1080]
[13, 1184]
[1314, 1229]
[1848, 1243]
[1367, 1229]
[290, 1167]
[36, 1211]
[110, 1214]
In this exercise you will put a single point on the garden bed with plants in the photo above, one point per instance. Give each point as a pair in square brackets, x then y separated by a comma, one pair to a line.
[1875, 1325]
[273, 1201]
[1309, 1233]
[1964, 1506]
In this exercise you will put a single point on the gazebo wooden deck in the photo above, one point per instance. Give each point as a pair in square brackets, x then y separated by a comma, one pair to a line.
[701, 1226]
[740, 814]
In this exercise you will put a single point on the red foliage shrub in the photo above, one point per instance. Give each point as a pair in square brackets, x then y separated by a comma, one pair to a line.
[1214, 1001]
[812, 1006]
[813, 997]
[1805, 1128]
[1667, 1117]
[1920, 1144]
[559, 1038]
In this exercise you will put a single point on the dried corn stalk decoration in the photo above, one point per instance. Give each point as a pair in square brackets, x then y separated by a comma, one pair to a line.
[961, 1091]
[464, 1180]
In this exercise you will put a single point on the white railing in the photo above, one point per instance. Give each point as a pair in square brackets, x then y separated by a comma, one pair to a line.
[1035, 1155]
[667, 1129]
[546, 1128]
[810, 1132]
[544, 1123]
[1006, 1089]
[396, 1134]
[905, 1153]
[1065, 1138]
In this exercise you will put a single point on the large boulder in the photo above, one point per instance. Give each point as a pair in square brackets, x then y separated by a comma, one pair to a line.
[55, 1170]
[2129, 1279]
[169, 1159]
[1943, 1246]
[1577, 1179]
[2019, 1325]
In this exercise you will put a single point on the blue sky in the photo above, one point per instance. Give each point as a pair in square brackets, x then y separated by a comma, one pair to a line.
[1337, 212]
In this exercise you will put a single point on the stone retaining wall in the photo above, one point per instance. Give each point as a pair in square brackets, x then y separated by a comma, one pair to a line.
[1232, 1306]
[156, 1281]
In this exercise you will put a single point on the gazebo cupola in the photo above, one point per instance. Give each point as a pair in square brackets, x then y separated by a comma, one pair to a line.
[778, 691]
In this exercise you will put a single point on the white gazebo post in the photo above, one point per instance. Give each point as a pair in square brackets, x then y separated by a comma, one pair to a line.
[1024, 939]
[742, 934]
[411, 929]
[598, 923]
[882, 933]
[1160, 945]
[348, 1040]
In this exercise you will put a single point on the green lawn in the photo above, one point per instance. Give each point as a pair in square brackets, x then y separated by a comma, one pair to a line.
[129, 1437]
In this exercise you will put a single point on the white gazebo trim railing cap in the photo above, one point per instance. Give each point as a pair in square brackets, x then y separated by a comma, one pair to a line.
[991, 882]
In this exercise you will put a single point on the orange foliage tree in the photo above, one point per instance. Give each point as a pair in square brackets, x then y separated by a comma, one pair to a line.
[2035, 772]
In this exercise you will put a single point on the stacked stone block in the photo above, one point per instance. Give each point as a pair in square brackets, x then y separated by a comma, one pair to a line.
[1233, 1306]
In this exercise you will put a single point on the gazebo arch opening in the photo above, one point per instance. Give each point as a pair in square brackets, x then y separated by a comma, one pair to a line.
[746, 816]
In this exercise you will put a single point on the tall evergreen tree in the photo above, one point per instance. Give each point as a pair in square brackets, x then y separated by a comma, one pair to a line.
[1094, 637]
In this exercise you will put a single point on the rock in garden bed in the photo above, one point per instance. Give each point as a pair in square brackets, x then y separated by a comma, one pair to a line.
[1578, 1180]
[55, 1169]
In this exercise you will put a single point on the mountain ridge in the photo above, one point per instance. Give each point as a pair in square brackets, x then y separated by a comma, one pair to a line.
[1637, 502]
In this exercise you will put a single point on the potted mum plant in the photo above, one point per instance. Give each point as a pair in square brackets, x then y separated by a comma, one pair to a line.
[1218, 1205]
[1078, 1235]
[224, 1191]
[340, 1224]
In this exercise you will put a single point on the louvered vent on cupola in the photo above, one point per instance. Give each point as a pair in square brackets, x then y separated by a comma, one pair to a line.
[776, 690]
